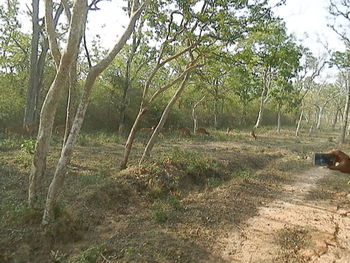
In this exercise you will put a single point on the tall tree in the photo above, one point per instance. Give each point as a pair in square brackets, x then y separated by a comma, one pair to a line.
[94, 72]
[37, 64]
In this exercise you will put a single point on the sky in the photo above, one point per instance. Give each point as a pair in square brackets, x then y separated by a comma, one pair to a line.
[306, 19]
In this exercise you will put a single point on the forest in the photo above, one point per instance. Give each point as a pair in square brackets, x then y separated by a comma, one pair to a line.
[113, 154]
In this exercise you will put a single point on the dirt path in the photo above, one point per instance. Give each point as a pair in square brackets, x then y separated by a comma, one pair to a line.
[294, 228]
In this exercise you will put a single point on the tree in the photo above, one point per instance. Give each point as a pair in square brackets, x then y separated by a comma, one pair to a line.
[175, 25]
[64, 60]
[37, 63]
[274, 56]
[304, 83]
[342, 61]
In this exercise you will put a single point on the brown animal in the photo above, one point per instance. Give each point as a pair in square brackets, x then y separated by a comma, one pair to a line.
[146, 130]
[60, 129]
[14, 130]
[184, 131]
[229, 129]
[31, 129]
[252, 133]
[202, 131]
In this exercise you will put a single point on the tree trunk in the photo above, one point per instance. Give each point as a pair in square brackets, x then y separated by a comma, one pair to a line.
[49, 107]
[131, 137]
[194, 116]
[319, 118]
[335, 119]
[72, 99]
[67, 150]
[127, 85]
[279, 121]
[299, 123]
[346, 114]
[152, 140]
[33, 85]
[261, 108]
[260, 114]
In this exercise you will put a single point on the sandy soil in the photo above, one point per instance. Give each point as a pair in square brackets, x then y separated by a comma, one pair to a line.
[294, 228]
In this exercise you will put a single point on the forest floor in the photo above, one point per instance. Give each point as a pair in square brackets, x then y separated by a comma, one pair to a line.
[217, 198]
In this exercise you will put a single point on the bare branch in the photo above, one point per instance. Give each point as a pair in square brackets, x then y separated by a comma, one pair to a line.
[50, 28]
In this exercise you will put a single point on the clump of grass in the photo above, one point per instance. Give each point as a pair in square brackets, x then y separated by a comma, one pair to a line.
[159, 214]
[90, 255]
[242, 174]
[192, 163]
[162, 209]
[292, 239]
[66, 225]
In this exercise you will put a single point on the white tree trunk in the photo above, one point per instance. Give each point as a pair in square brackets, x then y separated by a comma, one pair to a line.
[299, 123]
[279, 121]
[67, 150]
[49, 108]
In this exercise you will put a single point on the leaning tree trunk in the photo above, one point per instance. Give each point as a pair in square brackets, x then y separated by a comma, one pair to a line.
[299, 123]
[71, 100]
[49, 107]
[131, 137]
[160, 125]
[261, 110]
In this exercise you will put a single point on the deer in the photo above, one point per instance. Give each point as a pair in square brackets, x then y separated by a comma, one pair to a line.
[184, 131]
[229, 129]
[60, 129]
[252, 133]
[146, 130]
[31, 129]
[202, 131]
[28, 129]
[14, 130]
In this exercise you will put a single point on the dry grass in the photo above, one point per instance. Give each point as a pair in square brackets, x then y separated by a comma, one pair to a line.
[171, 209]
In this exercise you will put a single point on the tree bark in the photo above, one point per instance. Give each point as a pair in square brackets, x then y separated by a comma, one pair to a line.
[33, 85]
[279, 121]
[49, 107]
[346, 112]
[299, 123]
[194, 116]
[261, 110]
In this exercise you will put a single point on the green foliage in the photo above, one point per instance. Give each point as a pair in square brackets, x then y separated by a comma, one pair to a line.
[190, 162]
[8, 143]
[28, 145]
